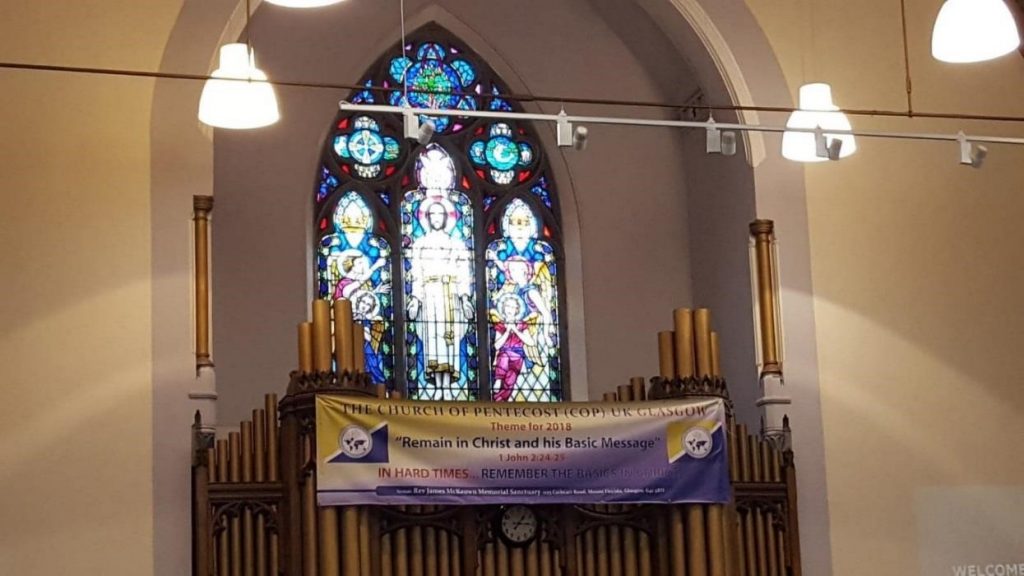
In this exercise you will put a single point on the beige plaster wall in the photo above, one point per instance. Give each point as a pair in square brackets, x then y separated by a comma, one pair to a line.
[917, 278]
[75, 420]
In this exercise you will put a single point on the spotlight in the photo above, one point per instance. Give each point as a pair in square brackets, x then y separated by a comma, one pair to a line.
[825, 148]
[414, 130]
[579, 138]
[564, 131]
[971, 155]
[719, 142]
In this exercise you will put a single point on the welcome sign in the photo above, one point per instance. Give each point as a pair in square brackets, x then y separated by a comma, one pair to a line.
[405, 452]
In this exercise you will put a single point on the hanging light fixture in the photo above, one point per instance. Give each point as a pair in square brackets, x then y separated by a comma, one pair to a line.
[238, 96]
[817, 111]
[974, 31]
[303, 3]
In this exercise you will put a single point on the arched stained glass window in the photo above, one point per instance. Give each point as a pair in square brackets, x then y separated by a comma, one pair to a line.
[450, 252]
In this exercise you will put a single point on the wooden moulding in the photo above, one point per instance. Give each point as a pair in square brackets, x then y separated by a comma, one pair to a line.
[201, 207]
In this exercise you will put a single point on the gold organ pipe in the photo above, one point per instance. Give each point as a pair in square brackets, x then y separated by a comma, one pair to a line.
[222, 460]
[272, 434]
[639, 391]
[456, 555]
[246, 451]
[751, 543]
[321, 336]
[328, 545]
[533, 559]
[759, 530]
[248, 544]
[224, 552]
[518, 562]
[773, 566]
[236, 546]
[416, 546]
[696, 541]
[644, 550]
[358, 352]
[766, 461]
[732, 547]
[365, 547]
[663, 543]
[235, 457]
[490, 557]
[702, 341]
[677, 545]
[629, 549]
[624, 392]
[309, 533]
[430, 546]
[734, 457]
[211, 469]
[716, 539]
[386, 568]
[666, 355]
[343, 350]
[741, 546]
[613, 548]
[776, 466]
[744, 452]
[201, 207]
[545, 559]
[444, 547]
[716, 359]
[259, 422]
[401, 552]
[608, 397]
[763, 232]
[305, 333]
[590, 557]
[682, 319]
[350, 539]
[755, 458]
[275, 555]
[781, 544]
[261, 545]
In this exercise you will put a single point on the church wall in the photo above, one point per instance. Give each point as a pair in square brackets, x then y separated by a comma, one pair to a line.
[75, 418]
[626, 193]
[917, 276]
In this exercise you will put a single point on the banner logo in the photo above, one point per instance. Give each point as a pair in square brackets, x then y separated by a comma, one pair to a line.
[355, 442]
[698, 442]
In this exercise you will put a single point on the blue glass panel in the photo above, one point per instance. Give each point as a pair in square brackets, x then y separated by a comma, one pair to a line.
[398, 67]
[502, 153]
[341, 145]
[465, 70]
[476, 152]
[353, 263]
[438, 280]
[328, 184]
[522, 308]
[430, 51]
[541, 191]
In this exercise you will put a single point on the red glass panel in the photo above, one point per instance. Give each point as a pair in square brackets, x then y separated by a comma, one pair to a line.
[405, 180]
[491, 229]
[547, 232]
[343, 124]
[346, 169]
[525, 175]
[465, 183]
[389, 170]
[481, 174]
[323, 224]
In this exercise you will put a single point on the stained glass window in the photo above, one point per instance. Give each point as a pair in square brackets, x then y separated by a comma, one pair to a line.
[467, 226]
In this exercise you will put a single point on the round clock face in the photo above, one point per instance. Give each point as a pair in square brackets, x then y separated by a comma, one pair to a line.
[518, 525]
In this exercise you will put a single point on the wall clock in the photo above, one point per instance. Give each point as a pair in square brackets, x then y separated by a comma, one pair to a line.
[517, 525]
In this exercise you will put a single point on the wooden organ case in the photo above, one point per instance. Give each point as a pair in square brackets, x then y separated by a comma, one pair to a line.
[254, 509]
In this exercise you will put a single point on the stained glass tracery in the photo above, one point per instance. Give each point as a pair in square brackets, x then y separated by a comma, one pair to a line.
[446, 250]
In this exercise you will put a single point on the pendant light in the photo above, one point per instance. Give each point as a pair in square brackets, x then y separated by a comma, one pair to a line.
[817, 112]
[303, 3]
[974, 31]
[238, 95]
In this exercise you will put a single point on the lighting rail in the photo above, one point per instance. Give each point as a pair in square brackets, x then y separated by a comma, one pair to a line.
[959, 137]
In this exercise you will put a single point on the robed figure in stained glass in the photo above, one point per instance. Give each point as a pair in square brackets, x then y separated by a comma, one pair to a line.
[355, 264]
[523, 309]
[440, 304]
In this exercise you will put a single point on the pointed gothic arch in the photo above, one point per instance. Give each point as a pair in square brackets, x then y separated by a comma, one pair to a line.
[452, 251]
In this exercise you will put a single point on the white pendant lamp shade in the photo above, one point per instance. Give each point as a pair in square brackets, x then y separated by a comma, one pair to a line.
[303, 3]
[974, 31]
[230, 101]
[816, 110]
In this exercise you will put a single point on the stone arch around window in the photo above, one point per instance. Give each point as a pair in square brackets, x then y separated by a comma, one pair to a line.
[451, 252]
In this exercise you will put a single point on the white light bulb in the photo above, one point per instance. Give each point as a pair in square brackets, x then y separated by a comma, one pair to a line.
[237, 95]
[974, 31]
[303, 3]
[816, 110]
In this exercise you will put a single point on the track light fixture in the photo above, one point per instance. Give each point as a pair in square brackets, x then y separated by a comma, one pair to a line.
[563, 129]
[818, 113]
[421, 132]
[718, 141]
[970, 155]
[826, 148]
[579, 138]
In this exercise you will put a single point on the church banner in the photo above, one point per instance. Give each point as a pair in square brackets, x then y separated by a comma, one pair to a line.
[403, 452]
